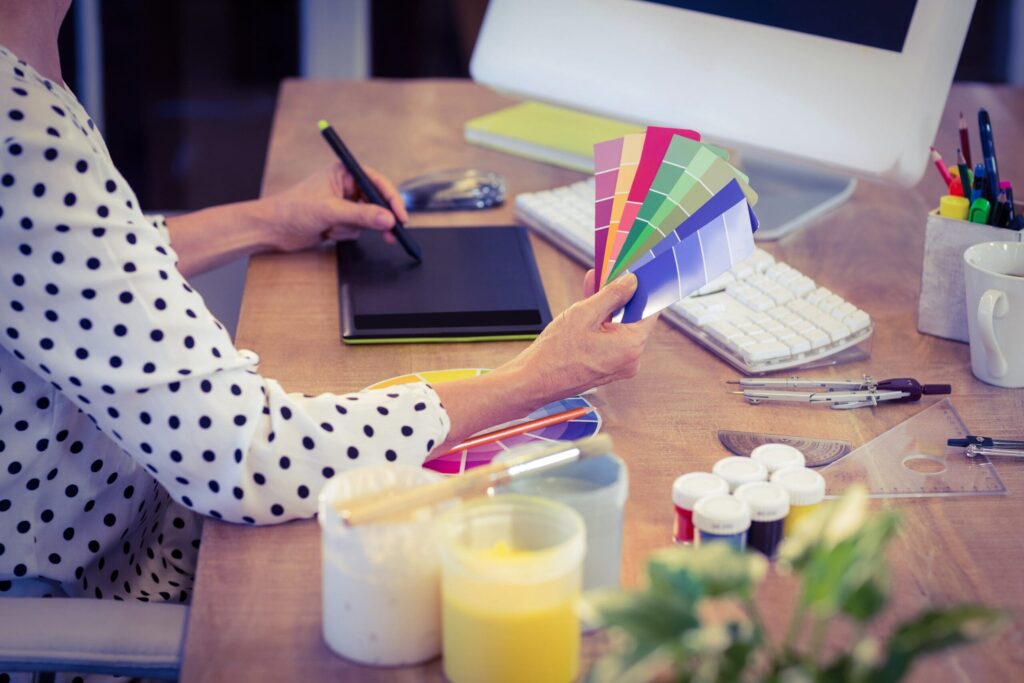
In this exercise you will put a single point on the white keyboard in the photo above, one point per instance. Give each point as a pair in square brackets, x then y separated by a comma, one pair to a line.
[760, 316]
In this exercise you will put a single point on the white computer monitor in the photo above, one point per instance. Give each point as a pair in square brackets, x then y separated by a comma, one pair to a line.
[860, 96]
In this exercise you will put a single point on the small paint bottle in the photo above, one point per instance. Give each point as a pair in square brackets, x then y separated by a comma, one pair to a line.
[736, 471]
[769, 505]
[777, 456]
[722, 518]
[686, 491]
[806, 490]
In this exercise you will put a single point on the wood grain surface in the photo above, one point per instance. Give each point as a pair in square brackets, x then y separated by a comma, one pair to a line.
[256, 610]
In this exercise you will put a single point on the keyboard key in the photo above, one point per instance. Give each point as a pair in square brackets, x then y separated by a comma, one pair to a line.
[755, 353]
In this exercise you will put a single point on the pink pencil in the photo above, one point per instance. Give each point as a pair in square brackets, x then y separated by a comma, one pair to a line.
[937, 158]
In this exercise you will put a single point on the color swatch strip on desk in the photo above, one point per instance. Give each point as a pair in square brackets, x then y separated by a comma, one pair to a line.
[685, 218]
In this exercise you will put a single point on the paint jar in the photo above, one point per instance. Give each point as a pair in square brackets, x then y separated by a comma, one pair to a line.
[806, 489]
[686, 491]
[721, 518]
[597, 489]
[769, 505]
[777, 456]
[511, 569]
[381, 582]
[736, 471]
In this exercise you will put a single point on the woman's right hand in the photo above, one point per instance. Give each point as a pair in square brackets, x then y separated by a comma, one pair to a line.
[581, 348]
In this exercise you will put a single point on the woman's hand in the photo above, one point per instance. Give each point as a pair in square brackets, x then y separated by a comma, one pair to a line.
[323, 207]
[578, 350]
[581, 349]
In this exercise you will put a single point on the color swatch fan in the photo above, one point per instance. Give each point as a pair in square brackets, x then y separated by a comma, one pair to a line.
[670, 209]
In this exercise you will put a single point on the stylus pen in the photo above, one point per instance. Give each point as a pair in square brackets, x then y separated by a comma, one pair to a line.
[368, 189]
[988, 154]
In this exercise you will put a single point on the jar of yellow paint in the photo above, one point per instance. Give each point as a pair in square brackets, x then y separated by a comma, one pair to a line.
[806, 490]
[511, 569]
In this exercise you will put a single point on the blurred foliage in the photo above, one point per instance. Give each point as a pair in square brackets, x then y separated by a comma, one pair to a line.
[661, 633]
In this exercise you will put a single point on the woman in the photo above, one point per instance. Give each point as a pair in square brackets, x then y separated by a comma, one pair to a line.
[126, 413]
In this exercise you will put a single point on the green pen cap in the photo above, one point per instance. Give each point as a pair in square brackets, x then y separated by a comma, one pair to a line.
[322, 124]
[980, 210]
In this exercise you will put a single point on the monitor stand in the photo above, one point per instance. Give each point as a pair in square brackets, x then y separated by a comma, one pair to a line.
[791, 196]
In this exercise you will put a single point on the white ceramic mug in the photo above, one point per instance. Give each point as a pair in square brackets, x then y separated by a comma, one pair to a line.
[994, 276]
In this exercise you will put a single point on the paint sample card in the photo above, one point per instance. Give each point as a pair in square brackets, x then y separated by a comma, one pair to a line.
[656, 142]
[724, 200]
[607, 156]
[670, 209]
[632, 146]
[706, 175]
[691, 263]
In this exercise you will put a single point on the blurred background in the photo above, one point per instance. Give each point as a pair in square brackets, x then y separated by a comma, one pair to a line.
[184, 90]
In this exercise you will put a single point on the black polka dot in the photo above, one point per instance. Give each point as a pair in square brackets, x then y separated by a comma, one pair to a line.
[307, 443]
[259, 478]
[276, 510]
[368, 430]
[353, 452]
[50, 154]
[285, 462]
[70, 199]
[16, 115]
[110, 185]
[406, 430]
[205, 422]
[38, 190]
[286, 412]
[390, 455]
[328, 472]
[81, 166]
[209, 456]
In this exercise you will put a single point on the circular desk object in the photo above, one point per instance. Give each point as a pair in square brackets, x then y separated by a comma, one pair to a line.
[737, 470]
[456, 463]
[777, 456]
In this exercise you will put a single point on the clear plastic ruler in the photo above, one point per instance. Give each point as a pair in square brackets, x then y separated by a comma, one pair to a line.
[912, 460]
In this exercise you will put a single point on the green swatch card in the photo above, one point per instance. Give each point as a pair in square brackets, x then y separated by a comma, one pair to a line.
[678, 156]
[704, 175]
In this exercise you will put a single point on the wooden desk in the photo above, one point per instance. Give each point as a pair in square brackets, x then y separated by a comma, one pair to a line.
[256, 610]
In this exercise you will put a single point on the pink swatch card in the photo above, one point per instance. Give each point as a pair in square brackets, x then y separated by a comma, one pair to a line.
[607, 156]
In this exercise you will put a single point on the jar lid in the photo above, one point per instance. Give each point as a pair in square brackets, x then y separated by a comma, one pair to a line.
[805, 487]
[691, 487]
[721, 514]
[768, 502]
[776, 456]
[737, 470]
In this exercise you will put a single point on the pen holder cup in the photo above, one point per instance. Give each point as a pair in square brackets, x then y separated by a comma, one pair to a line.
[381, 581]
[941, 310]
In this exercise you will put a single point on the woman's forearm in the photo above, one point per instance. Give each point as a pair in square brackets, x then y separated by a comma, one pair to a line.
[212, 237]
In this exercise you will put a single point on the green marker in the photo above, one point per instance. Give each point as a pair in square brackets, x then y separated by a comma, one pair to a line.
[980, 210]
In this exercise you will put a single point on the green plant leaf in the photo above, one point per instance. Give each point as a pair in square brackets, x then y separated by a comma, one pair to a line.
[717, 568]
[867, 600]
[937, 630]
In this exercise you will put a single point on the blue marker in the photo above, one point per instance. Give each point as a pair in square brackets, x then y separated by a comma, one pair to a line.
[988, 152]
[978, 188]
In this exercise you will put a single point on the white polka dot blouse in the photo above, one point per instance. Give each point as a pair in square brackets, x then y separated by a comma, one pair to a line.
[126, 413]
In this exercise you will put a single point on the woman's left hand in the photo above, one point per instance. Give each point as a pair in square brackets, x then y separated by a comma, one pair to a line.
[324, 207]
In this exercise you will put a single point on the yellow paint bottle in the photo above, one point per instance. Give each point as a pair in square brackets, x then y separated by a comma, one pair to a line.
[511, 568]
[806, 490]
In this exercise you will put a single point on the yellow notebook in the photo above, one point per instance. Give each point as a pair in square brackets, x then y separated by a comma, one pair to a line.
[545, 133]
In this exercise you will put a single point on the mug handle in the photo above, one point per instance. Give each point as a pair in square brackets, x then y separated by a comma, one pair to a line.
[993, 304]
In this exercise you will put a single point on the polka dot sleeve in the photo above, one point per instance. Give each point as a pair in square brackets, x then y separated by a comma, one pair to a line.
[93, 303]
